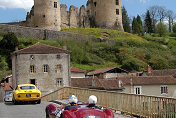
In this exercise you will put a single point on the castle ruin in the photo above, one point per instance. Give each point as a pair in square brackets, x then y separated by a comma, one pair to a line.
[50, 14]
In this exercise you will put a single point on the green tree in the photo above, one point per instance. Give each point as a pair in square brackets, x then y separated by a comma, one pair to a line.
[3, 64]
[135, 28]
[148, 23]
[174, 28]
[133, 64]
[7, 45]
[140, 26]
[125, 20]
[161, 29]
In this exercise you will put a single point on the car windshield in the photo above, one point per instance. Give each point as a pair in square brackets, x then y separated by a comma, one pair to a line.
[27, 87]
[8, 93]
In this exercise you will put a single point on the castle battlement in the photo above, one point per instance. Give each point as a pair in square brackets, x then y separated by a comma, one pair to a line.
[96, 14]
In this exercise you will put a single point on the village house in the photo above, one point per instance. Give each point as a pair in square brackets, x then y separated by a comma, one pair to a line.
[45, 66]
[77, 72]
[105, 73]
[164, 86]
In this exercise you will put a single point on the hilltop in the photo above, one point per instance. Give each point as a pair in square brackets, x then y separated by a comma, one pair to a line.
[114, 48]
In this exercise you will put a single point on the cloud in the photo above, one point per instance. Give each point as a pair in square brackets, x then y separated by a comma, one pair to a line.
[144, 1]
[24, 4]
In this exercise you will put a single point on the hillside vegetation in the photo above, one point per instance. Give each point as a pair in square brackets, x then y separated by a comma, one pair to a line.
[115, 48]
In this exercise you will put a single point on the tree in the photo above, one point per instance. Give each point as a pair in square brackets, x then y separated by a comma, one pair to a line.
[9, 41]
[148, 23]
[161, 29]
[3, 64]
[170, 18]
[125, 20]
[174, 28]
[153, 14]
[135, 28]
[140, 25]
[161, 13]
[7, 45]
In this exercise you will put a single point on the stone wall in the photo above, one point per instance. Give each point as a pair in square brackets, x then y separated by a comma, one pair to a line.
[2, 93]
[29, 32]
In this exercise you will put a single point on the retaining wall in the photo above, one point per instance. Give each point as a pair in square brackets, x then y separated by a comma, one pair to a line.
[29, 32]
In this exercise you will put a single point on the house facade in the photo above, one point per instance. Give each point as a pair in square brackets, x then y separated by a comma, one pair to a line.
[45, 66]
[77, 72]
[106, 73]
[164, 86]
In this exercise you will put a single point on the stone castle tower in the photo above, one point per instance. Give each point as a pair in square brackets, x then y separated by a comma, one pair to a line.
[45, 14]
[105, 13]
[49, 14]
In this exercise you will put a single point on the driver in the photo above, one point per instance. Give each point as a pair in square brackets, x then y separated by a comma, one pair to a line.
[73, 103]
[92, 102]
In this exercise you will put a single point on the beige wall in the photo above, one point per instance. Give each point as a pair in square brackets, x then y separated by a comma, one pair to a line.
[154, 90]
[46, 82]
[46, 16]
[77, 75]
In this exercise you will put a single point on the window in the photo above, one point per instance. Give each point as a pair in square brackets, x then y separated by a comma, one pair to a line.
[32, 69]
[58, 56]
[164, 90]
[117, 11]
[55, 4]
[32, 57]
[137, 90]
[95, 3]
[117, 2]
[32, 81]
[43, 16]
[45, 68]
[59, 82]
[58, 68]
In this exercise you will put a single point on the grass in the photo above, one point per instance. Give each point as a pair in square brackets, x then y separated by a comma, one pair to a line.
[104, 33]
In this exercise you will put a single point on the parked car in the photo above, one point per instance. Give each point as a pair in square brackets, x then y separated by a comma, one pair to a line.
[54, 111]
[26, 92]
[8, 96]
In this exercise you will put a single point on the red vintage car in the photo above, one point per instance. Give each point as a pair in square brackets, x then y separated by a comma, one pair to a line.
[56, 111]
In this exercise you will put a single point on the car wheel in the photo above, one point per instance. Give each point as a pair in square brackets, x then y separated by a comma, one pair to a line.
[39, 101]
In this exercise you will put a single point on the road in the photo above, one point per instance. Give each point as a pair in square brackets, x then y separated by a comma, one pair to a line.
[23, 111]
[10, 110]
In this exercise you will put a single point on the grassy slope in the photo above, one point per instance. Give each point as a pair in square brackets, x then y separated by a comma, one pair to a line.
[126, 48]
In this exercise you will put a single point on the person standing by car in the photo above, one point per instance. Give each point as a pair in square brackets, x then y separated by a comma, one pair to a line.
[92, 102]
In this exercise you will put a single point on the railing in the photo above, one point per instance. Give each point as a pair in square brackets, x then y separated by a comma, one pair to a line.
[132, 104]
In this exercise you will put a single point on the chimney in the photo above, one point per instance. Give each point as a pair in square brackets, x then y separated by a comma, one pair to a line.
[148, 69]
[65, 47]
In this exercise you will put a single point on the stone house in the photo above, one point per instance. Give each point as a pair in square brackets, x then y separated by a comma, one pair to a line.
[77, 72]
[45, 66]
[105, 73]
[164, 86]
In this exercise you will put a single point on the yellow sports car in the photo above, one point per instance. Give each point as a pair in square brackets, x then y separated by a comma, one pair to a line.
[26, 92]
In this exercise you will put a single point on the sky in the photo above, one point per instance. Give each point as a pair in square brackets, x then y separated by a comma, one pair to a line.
[16, 10]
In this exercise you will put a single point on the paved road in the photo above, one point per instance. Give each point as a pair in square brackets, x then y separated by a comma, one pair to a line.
[23, 111]
[29, 111]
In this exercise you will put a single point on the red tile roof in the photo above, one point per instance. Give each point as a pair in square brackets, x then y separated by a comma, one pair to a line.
[166, 72]
[148, 80]
[103, 70]
[74, 69]
[40, 48]
[98, 83]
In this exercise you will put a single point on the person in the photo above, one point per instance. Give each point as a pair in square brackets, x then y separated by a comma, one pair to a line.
[73, 103]
[92, 102]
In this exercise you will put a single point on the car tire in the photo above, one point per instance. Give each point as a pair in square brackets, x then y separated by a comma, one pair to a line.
[39, 101]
